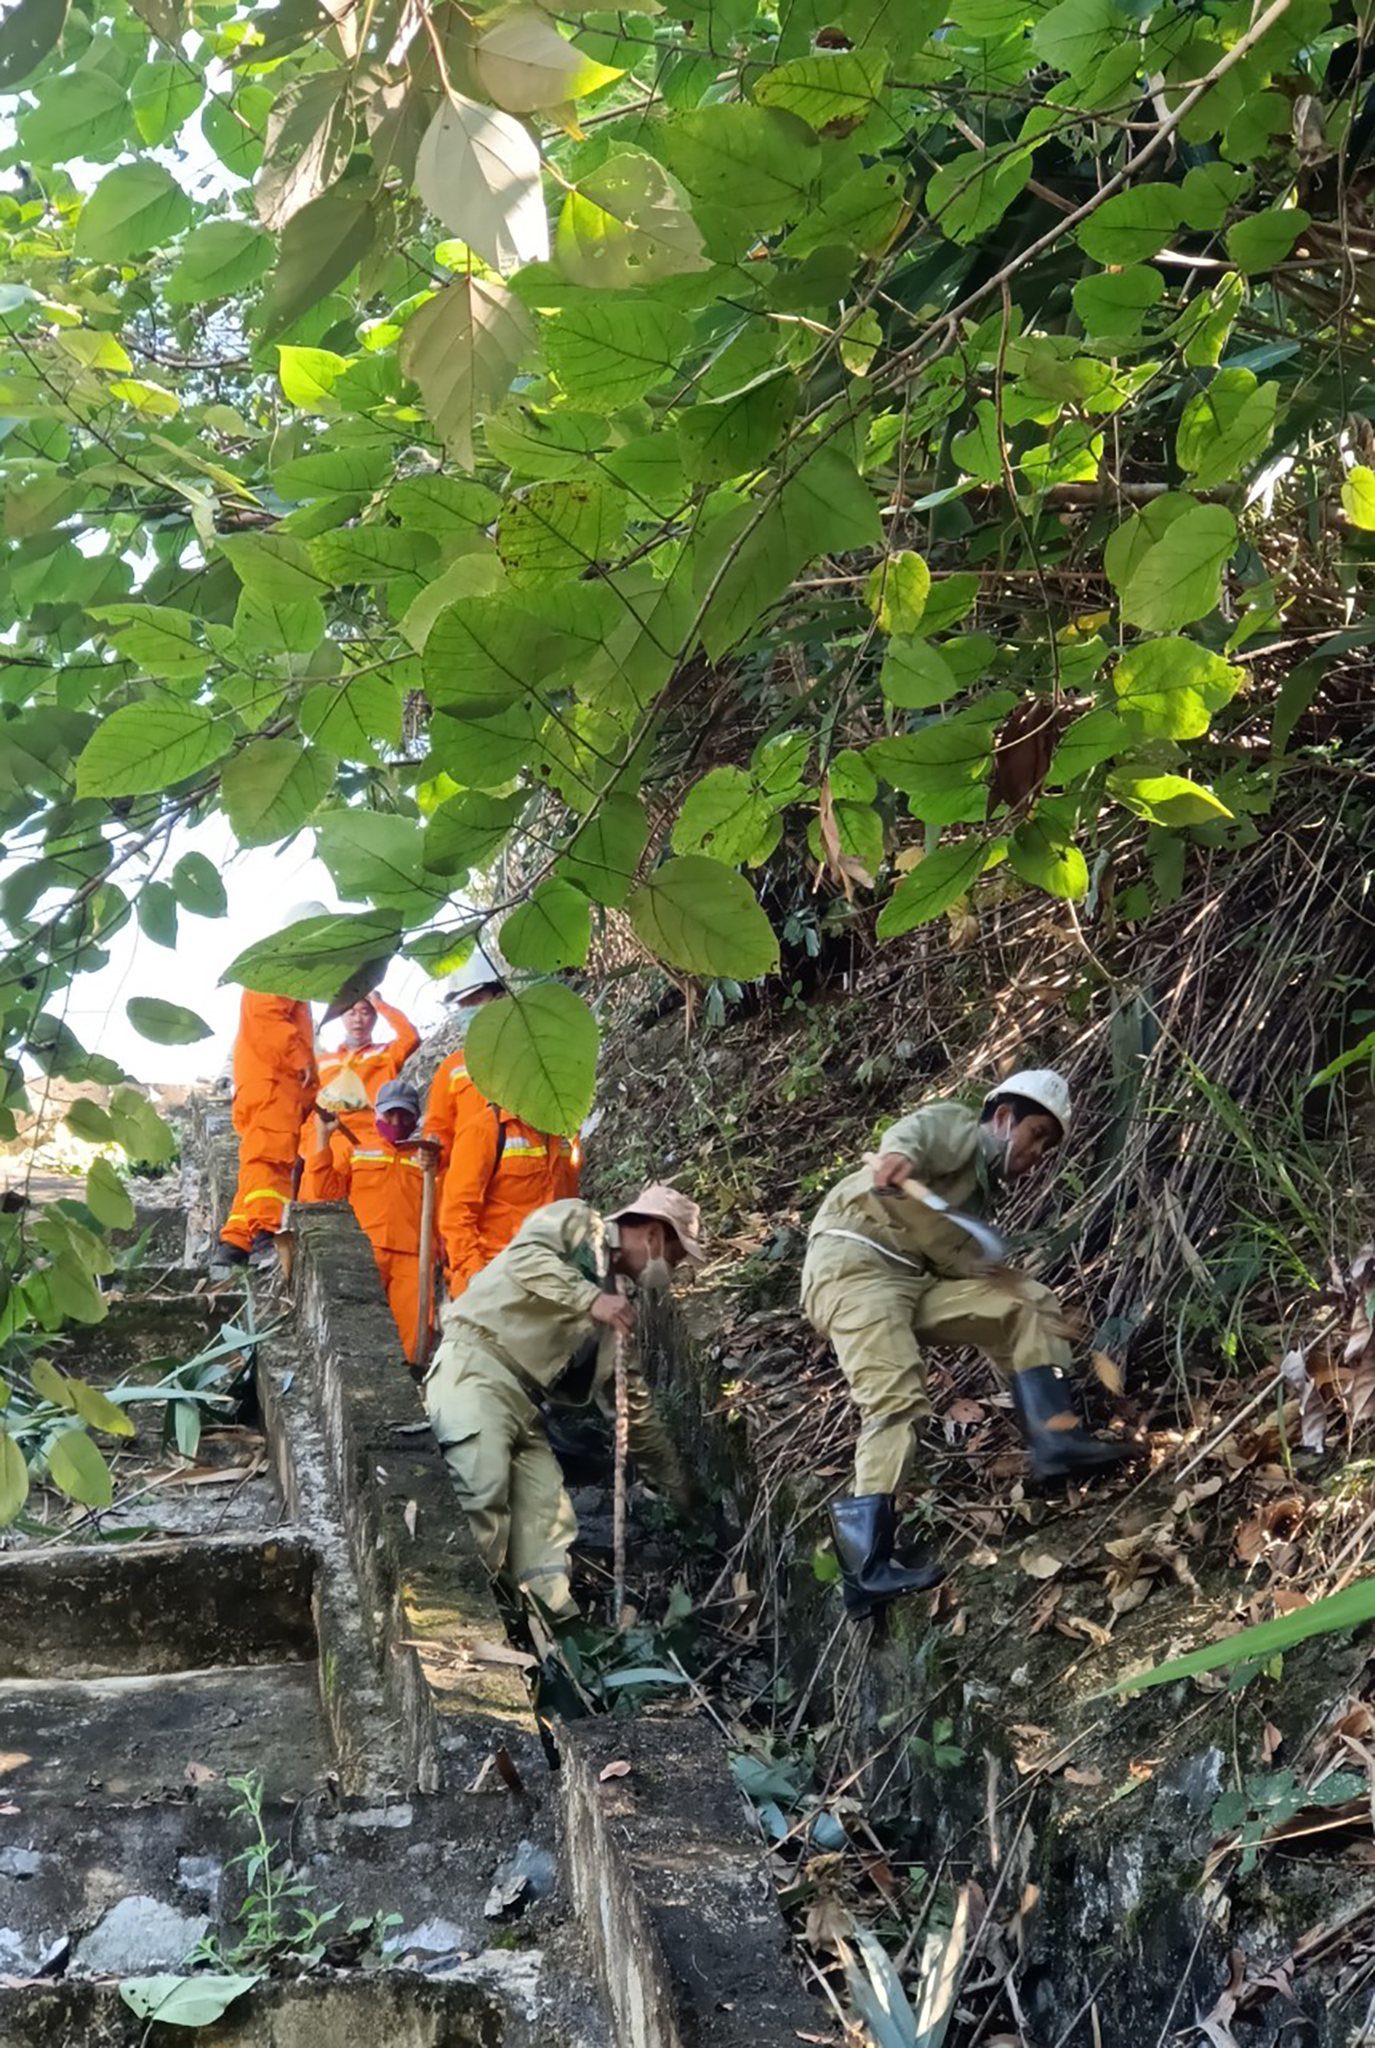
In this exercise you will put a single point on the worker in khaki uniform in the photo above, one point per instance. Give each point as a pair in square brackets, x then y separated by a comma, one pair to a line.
[350, 1078]
[495, 1170]
[886, 1269]
[542, 1321]
[384, 1184]
[274, 1086]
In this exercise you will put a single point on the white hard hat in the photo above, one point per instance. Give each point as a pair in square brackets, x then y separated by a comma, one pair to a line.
[299, 912]
[476, 972]
[1041, 1085]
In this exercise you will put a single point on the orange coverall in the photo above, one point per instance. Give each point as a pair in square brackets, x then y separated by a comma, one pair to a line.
[385, 1188]
[373, 1064]
[496, 1171]
[274, 1087]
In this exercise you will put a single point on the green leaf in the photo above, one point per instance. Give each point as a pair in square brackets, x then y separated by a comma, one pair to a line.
[700, 916]
[148, 747]
[896, 592]
[758, 162]
[274, 566]
[147, 1139]
[234, 127]
[864, 214]
[915, 675]
[1330, 1615]
[932, 886]
[613, 354]
[552, 931]
[723, 815]
[1043, 856]
[107, 1198]
[351, 717]
[86, 1119]
[52, 1386]
[1208, 191]
[320, 246]
[443, 505]
[536, 1054]
[270, 789]
[1177, 580]
[1224, 429]
[374, 856]
[183, 2001]
[940, 768]
[165, 1023]
[31, 30]
[1358, 497]
[91, 104]
[1262, 240]
[134, 208]
[1169, 689]
[98, 1411]
[313, 958]
[1077, 34]
[951, 598]
[351, 471]
[738, 433]
[1092, 739]
[627, 225]
[1171, 800]
[468, 829]
[309, 375]
[77, 1469]
[463, 347]
[549, 529]
[14, 1473]
[526, 66]
[1132, 226]
[1128, 547]
[156, 638]
[156, 909]
[832, 91]
[483, 653]
[197, 886]
[373, 554]
[1117, 301]
[163, 96]
[605, 855]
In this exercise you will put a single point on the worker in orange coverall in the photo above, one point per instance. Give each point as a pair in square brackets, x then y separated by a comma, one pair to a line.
[274, 1088]
[496, 1170]
[384, 1183]
[350, 1078]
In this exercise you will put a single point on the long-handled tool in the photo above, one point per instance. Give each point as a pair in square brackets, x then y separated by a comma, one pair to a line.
[428, 1148]
[618, 1483]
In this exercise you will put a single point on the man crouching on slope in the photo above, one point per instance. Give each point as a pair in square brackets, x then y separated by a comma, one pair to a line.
[886, 1269]
[542, 1321]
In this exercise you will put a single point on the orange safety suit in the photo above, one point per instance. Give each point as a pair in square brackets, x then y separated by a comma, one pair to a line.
[274, 1087]
[386, 1189]
[373, 1064]
[496, 1171]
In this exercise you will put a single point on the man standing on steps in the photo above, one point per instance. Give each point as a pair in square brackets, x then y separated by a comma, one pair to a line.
[495, 1169]
[886, 1269]
[351, 1076]
[543, 1321]
[274, 1089]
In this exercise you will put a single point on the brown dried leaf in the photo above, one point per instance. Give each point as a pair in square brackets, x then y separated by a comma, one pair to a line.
[1130, 1597]
[1040, 1564]
[1092, 1776]
[1022, 752]
[1080, 1625]
[828, 1924]
[982, 1558]
[1044, 1610]
[619, 1769]
[1107, 1372]
[200, 1774]
[1270, 1739]
[12, 1759]
[1312, 1413]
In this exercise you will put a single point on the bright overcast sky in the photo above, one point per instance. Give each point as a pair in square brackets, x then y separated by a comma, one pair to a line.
[262, 886]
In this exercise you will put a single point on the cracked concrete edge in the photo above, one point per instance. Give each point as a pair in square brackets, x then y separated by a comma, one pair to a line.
[674, 1891]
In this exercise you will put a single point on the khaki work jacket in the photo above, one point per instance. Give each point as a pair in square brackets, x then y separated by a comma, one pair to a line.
[531, 1309]
[943, 1143]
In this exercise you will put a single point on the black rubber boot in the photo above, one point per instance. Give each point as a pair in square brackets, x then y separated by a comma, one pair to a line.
[262, 1252]
[1059, 1444]
[864, 1526]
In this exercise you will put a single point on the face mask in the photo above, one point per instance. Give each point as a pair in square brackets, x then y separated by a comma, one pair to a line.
[655, 1277]
[393, 1131]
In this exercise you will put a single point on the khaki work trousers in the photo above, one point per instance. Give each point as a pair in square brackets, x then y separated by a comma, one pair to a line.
[506, 1477]
[876, 1316]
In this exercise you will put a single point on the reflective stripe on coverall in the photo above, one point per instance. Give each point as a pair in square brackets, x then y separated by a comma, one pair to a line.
[496, 1172]
[915, 1277]
[507, 1340]
[374, 1065]
[274, 1087]
[385, 1189]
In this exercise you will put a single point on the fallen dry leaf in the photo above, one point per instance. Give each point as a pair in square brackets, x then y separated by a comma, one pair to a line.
[1107, 1372]
[1127, 1598]
[828, 1924]
[982, 1558]
[11, 1759]
[1040, 1564]
[200, 1774]
[1092, 1776]
[619, 1769]
[410, 1517]
[1080, 1625]
[1270, 1739]
[965, 1412]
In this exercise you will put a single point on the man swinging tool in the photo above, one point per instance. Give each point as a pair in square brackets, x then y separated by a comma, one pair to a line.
[543, 1319]
[890, 1262]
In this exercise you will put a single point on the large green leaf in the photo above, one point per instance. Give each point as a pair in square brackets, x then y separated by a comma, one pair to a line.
[76, 1468]
[271, 787]
[162, 97]
[165, 1023]
[536, 1054]
[525, 65]
[107, 1198]
[724, 815]
[834, 90]
[932, 886]
[612, 354]
[1170, 689]
[30, 30]
[14, 1480]
[552, 931]
[374, 856]
[1224, 429]
[1133, 226]
[467, 830]
[916, 675]
[603, 858]
[695, 914]
[352, 716]
[313, 958]
[147, 1138]
[1177, 579]
[758, 162]
[479, 172]
[554, 529]
[739, 433]
[941, 769]
[148, 747]
[184, 2001]
[1260, 241]
[626, 225]
[463, 347]
[1042, 854]
[134, 208]
[320, 246]
[197, 886]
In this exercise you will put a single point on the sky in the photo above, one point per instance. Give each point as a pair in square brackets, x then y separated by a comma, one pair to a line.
[262, 885]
